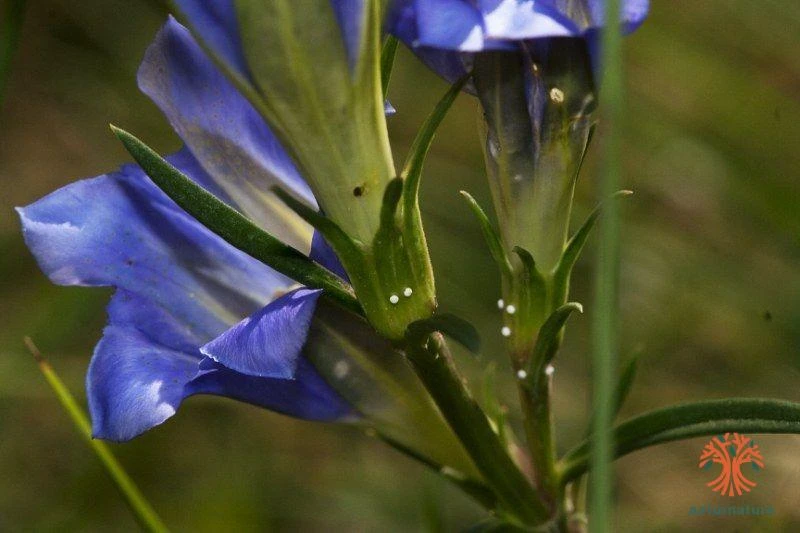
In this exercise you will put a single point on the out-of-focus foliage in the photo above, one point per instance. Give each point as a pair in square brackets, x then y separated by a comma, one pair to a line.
[710, 284]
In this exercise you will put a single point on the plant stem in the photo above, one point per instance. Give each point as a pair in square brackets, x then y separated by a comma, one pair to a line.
[538, 416]
[433, 363]
[605, 310]
[138, 504]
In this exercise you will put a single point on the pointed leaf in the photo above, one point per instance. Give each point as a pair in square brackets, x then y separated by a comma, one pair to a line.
[684, 421]
[490, 235]
[232, 226]
[625, 384]
[338, 239]
[478, 490]
[412, 170]
[575, 245]
[549, 338]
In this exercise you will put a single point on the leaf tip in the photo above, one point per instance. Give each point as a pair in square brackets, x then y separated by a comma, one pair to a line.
[37, 355]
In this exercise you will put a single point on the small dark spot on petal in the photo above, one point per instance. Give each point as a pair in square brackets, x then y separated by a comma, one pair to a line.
[358, 191]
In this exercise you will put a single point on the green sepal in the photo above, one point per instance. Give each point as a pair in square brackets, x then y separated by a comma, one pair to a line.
[458, 329]
[388, 53]
[490, 235]
[337, 238]
[688, 420]
[575, 245]
[391, 201]
[412, 169]
[534, 277]
[233, 227]
[549, 339]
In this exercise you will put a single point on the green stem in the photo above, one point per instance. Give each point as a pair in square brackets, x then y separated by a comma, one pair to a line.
[139, 506]
[433, 363]
[538, 415]
[605, 325]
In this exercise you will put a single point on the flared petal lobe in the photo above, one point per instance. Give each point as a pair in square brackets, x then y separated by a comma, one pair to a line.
[268, 342]
[224, 132]
[178, 287]
[216, 21]
[481, 25]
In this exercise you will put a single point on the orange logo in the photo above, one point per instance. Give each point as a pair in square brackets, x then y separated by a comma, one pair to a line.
[731, 451]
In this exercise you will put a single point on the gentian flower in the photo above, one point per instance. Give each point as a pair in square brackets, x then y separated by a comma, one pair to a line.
[435, 29]
[311, 69]
[193, 315]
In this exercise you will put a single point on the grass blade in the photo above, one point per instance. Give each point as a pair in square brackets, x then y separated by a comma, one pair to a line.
[605, 328]
[139, 506]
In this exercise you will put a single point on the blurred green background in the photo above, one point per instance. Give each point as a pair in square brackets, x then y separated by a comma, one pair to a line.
[710, 285]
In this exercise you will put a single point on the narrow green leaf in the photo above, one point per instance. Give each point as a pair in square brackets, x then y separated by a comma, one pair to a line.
[387, 61]
[13, 16]
[622, 390]
[684, 421]
[138, 504]
[478, 490]
[549, 338]
[458, 329]
[412, 169]
[233, 227]
[575, 245]
[490, 235]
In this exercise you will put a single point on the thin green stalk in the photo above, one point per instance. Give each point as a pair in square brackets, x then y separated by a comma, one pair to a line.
[604, 326]
[433, 363]
[138, 504]
[538, 415]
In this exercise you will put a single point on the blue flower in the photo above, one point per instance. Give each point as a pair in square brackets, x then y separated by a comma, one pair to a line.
[191, 314]
[435, 29]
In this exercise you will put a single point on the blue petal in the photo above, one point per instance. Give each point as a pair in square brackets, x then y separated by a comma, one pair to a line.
[140, 368]
[148, 362]
[633, 13]
[524, 19]
[224, 132]
[350, 15]
[215, 22]
[307, 396]
[268, 342]
[322, 253]
[121, 230]
[450, 24]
